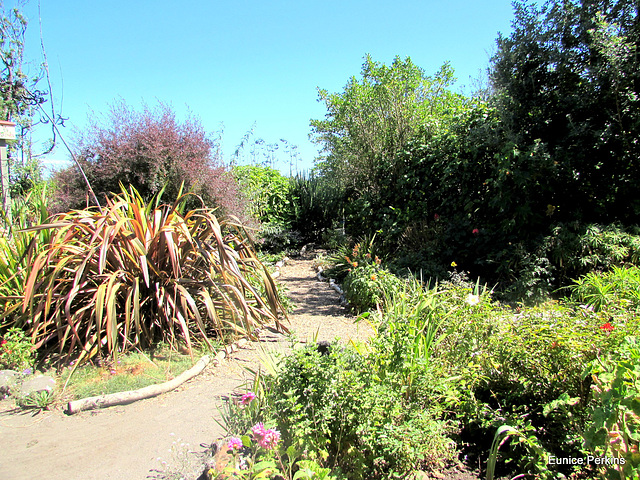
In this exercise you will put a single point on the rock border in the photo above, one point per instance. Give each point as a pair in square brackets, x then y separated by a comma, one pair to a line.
[335, 286]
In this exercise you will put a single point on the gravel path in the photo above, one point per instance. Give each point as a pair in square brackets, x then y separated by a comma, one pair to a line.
[156, 437]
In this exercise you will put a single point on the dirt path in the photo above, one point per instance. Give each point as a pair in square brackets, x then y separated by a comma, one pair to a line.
[157, 437]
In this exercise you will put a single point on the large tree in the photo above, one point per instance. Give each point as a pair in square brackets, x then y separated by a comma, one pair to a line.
[375, 115]
[568, 77]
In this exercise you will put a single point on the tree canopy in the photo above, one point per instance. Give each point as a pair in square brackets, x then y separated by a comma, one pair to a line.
[568, 77]
[375, 115]
[148, 149]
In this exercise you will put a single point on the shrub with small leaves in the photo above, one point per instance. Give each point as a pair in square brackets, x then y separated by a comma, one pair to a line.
[16, 351]
[365, 286]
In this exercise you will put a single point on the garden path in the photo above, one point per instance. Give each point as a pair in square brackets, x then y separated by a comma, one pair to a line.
[159, 437]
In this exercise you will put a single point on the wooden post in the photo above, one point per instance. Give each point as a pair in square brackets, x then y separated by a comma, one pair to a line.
[7, 132]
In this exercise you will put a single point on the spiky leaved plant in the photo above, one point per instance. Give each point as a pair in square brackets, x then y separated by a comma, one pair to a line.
[134, 274]
[18, 246]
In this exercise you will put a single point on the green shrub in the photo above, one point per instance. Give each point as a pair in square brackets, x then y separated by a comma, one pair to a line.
[316, 204]
[515, 363]
[278, 237]
[346, 258]
[365, 286]
[266, 191]
[613, 426]
[409, 327]
[335, 237]
[16, 350]
[334, 407]
[619, 288]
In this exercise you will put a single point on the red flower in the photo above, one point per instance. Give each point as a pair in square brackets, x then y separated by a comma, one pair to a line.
[3, 342]
[436, 217]
[607, 327]
[475, 231]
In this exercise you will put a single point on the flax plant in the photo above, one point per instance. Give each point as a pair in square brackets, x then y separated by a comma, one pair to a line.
[17, 249]
[134, 274]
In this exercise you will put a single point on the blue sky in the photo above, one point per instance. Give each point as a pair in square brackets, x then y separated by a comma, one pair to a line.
[233, 63]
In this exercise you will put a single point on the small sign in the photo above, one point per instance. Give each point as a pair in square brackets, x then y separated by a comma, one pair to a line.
[7, 130]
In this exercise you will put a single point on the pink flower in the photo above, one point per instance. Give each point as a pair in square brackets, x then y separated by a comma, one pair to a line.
[234, 444]
[258, 430]
[3, 342]
[270, 439]
[247, 398]
[266, 438]
[475, 231]
[436, 217]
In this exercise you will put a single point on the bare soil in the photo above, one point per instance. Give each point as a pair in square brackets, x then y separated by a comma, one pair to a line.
[165, 437]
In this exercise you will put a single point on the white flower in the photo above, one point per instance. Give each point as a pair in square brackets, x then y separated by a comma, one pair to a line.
[472, 300]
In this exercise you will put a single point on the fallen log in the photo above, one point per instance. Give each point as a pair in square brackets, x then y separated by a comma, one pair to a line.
[123, 398]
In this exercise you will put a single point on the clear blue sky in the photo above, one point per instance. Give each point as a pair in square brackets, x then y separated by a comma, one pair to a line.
[234, 63]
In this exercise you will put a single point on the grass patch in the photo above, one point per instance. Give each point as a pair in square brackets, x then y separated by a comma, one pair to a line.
[130, 372]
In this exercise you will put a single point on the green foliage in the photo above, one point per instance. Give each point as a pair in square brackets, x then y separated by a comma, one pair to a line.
[349, 420]
[269, 201]
[514, 365]
[619, 287]
[40, 400]
[365, 286]
[409, 328]
[240, 414]
[266, 191]
[528, 188]
[344, 259]
[613, 429]
[278, 237]
[16, 350]
[502, 435]
[316, 202]
[448, 363]
[576, 249]
[566, 78]
[134, 274]
[374, 116]
[15, 251]
[334, 238]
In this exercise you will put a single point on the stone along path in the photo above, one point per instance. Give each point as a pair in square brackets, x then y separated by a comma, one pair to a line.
[156, 437]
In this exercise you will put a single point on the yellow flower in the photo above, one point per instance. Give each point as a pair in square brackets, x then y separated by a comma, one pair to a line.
[454, 264]
[550, 210]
